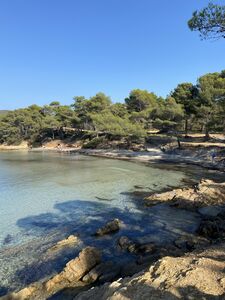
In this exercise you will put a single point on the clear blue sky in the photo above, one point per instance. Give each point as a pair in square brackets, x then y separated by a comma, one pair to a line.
[56, 49]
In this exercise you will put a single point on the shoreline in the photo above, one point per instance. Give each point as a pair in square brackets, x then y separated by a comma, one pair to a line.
[151, 155]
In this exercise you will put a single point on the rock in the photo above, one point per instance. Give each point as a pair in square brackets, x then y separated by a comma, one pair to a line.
[132, 268]
[110, 227]
[148, 259]
[169, 250]
[197, 275]
[190, 242]
[97, 271]
[31, 292]
[206, 193]
[8, 239]
[126, 244]
[210, 211]
[111, 274]
[148, 248]
[69, 242]
[213, 228]
[75, 269]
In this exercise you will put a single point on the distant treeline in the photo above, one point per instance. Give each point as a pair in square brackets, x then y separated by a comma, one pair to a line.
[188, 107]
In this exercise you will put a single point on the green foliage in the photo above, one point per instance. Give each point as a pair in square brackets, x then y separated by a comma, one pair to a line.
[109, 123]
[186, 94]
[212, 99]
[200, 106]
[168, 115]
[94, 143]
[210, 21]
[140, 100]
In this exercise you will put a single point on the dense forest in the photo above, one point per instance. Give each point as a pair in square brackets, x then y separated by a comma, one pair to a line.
[188, 108]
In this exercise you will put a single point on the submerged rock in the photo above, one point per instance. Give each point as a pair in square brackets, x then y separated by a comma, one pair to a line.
[8, 239]
[110, 274]
[191, 242]
[108, 228]
[126, 244]
[212, 228]
[69, 242]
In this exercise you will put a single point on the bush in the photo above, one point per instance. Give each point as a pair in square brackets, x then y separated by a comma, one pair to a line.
[94, 143]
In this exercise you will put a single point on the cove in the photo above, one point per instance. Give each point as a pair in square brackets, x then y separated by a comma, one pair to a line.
[47, 196]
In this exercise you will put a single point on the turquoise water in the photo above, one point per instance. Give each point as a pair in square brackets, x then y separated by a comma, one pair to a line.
[34, 183]
[44, 197]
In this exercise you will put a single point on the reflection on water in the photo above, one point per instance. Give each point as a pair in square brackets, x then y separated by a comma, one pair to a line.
[46, 197]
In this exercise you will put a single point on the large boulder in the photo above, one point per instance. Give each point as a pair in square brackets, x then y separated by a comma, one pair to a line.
[110, 227]
[75, 269]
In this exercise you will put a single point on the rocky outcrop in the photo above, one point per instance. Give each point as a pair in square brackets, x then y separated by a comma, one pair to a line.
[69, 242]
[206, 193]
[74, 270]
[199, 275]
[110, 227]
[71, 276]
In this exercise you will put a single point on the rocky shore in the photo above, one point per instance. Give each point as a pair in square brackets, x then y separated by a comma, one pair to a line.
[191, 267]
[195, 156]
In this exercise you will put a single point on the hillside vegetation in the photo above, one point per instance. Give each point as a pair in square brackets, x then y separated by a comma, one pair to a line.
[195, 108]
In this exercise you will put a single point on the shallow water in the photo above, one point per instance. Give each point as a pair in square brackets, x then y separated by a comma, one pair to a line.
[47, 196]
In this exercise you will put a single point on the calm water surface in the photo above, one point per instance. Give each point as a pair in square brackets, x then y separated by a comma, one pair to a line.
[45, 197]
[36, 183]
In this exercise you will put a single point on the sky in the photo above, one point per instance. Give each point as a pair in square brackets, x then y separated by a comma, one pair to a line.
[53, 50]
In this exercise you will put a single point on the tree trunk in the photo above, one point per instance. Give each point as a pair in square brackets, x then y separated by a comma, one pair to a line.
[207, 127]
[186, 127]
[207, 131]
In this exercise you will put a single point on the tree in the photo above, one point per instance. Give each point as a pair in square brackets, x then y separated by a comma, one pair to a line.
[140, 100]
[212, 98]
[186, 95]
[117, 126]
[168, 115]
[55, 103]
[210, 21]
[84, 108]
[119, 109]
[98, 103]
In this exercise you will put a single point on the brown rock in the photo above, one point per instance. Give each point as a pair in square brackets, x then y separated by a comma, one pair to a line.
[206, 193]
[199, 275]
[74, 270]
[191, 242]
[97, 271]
[69, 242]
[126, 244]
[110, 227]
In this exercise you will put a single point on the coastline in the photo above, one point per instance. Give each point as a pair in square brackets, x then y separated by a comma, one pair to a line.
[151, 155]
[153, 259]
